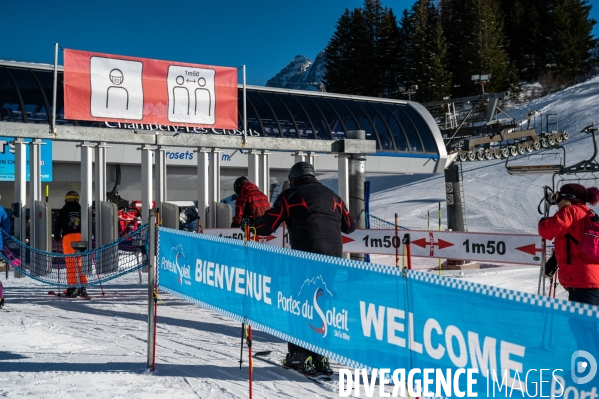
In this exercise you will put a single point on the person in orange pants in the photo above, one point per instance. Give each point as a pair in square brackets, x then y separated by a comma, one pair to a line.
[68, 227]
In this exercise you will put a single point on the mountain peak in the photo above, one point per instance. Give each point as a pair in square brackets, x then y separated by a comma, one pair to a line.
[300, 74]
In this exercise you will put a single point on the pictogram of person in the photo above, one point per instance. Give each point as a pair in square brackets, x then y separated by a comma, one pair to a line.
[202, 83]
[184, 92]
[117, 78]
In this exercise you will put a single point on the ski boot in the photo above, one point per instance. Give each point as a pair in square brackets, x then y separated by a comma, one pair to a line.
[71, 292]
[1, 303]
[301, 362]
[83, 292]
[323, 367]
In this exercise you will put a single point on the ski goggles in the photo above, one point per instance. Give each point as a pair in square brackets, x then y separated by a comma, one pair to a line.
[562, 196]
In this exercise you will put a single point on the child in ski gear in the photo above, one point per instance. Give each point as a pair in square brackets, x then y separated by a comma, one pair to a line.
[577, 273]
[315, 217]
[250, 202]
[68, 228]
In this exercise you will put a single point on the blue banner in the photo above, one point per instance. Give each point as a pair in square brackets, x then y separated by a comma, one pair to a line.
[377, 317]
[7, 160]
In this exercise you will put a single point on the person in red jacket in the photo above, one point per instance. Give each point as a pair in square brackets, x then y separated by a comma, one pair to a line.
[577, 273]
[250, 202]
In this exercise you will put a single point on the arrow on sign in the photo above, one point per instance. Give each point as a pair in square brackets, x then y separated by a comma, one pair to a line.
[530, 249]
[346, 239]
[423, 242]
[262, 238]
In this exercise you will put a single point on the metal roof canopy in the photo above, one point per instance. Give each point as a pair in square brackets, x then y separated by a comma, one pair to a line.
[150, 137]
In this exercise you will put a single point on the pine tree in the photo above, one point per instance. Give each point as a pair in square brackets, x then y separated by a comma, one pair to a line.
[454, 27]
[439, 81]
[479, 45]
[388, 47]
[527, 31]
[428, 50]
[572, 40]
[359, 55]
[338, 55]
[405, 51]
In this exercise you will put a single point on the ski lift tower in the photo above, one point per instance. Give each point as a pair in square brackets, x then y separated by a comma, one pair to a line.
[473, 130]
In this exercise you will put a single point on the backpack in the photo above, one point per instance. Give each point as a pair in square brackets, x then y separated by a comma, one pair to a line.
[589, 246]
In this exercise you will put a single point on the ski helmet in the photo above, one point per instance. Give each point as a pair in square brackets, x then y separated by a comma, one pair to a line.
[72, 196]
[238, 183]
[301, 169]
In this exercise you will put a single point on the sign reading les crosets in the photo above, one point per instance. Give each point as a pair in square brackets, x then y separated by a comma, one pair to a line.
[119, 88]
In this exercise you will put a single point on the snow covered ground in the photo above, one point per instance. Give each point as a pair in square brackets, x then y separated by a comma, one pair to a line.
[69, 348]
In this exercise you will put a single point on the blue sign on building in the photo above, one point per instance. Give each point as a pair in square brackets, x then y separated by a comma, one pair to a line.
[7, 159]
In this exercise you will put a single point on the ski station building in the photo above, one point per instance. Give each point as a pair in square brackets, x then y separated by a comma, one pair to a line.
[157, 163]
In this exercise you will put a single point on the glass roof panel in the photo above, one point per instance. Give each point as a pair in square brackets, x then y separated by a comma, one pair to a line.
[271, 129]
[348, 119]
[425, 132]
[379, 124]
[332, 118]
[304, 124]
[282, 114]
[317, 118]
[363, 121]
[407, 125]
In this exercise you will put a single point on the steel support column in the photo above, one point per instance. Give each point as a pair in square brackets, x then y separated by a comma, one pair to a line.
[100, 194]
[86, 192]
[455, 217]
[299, 156]
[20, 195]
[214, 186]
[264, 181]
[203, 184]
[254, 166]
[146, 180]
[35, 186]
[343, 180]
[160, 170]
[357, 170]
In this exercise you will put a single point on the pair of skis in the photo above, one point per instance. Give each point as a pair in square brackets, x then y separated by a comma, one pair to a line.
[320, 379]
[62, 295]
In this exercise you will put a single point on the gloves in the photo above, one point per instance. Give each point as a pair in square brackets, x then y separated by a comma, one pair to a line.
[233, 225]
[551, 266]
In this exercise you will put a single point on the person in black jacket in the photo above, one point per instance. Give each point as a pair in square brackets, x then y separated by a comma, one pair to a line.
[315, 217]
[68, 228]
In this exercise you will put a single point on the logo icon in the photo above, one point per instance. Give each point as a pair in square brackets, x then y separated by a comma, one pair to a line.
[184, 271]
[583, 362]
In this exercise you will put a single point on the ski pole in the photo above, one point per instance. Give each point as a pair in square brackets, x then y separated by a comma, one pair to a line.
[406, 240]
[249, 343]
[397, 247]
[242, 338]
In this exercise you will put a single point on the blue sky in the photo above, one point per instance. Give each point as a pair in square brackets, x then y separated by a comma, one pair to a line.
[264, 35]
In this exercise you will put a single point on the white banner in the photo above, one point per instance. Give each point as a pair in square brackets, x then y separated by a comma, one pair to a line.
[488, 247]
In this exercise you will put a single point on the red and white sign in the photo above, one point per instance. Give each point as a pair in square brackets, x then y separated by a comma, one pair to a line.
[487, 247]
[108, 87]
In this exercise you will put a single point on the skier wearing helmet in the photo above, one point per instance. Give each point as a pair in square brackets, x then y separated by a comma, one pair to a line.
[250, 202]
[68, 228]
[315, 217]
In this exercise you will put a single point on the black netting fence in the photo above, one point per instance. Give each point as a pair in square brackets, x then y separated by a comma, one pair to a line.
[120, 257]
